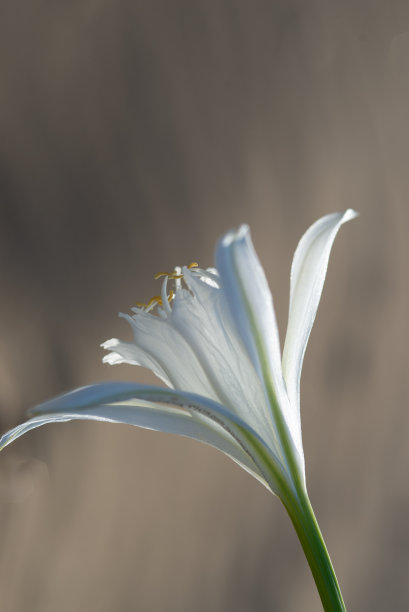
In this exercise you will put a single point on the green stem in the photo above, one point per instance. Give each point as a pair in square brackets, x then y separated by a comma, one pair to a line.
[303, 518]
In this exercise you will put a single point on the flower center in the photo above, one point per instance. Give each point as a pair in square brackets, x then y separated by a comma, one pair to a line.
[157, 300]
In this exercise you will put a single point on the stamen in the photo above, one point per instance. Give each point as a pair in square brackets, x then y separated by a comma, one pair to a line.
[161, 275]
[176, 274]
[155, 301]
[165, 298]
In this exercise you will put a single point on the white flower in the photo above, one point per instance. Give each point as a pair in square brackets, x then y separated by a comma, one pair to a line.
[212, 338]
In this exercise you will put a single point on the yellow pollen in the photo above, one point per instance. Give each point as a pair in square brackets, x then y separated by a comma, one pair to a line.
[176, 276]
[155, 300]
[173, 275]
[161, 275]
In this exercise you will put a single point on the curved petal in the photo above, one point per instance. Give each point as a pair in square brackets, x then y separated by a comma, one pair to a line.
[251, 306]
[159, 346]
[159, 409]
[129, 352]
[202, 318]
[308, 272]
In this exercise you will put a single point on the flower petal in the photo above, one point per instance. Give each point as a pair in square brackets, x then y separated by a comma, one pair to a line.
[308, 272]
[159, 346]
[129, 352]
[251, 305]
[159, 409]
[202, 318]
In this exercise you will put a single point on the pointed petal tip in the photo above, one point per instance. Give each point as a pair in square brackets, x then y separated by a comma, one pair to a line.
[112, 359]
[109, 344]
[349, 214]
[243, 230]
[235, 234]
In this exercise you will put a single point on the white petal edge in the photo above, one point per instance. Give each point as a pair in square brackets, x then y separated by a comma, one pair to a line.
[159, 409]
[251, 307]
[308, 273]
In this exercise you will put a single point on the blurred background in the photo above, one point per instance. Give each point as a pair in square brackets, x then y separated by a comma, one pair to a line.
[132, 135]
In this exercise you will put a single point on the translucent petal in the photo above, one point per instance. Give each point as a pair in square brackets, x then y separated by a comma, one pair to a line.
[129, 352]
[159, 343]
[201, 317]
[308, 272]
[250, 302]
[154, 408]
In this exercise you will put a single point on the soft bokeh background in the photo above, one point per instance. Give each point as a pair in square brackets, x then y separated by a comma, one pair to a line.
[132, 134]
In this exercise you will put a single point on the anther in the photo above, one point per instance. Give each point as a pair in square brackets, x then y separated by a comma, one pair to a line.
[155, 300]
[194, 264]
[161, 275]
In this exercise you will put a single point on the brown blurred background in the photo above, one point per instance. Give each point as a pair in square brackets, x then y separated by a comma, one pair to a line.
[132, 134]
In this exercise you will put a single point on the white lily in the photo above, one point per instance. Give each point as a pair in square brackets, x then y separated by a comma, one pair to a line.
[213, 340]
